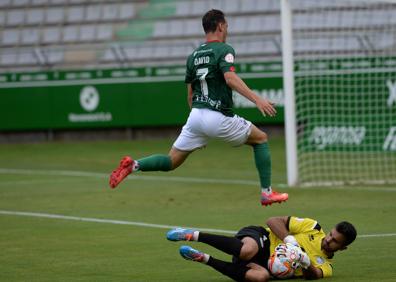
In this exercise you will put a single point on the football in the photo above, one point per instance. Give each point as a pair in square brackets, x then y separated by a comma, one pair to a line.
[283, 262]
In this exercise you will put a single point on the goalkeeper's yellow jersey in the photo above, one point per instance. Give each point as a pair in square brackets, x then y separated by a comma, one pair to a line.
[309, 236]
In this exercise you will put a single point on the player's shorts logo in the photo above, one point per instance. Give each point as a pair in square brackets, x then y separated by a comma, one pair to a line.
[89, 98]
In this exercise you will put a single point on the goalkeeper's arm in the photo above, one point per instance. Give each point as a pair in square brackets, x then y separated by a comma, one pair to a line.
[312, 273]
[278, 226]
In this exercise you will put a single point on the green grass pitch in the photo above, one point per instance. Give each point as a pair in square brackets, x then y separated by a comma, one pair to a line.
[216, 188]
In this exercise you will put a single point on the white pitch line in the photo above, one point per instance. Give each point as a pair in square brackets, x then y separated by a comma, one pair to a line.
[71, 173]
[110, 221]
[142, 224]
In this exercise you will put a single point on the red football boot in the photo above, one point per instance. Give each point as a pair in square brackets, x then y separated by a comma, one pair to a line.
[122, 171]
[273, 197]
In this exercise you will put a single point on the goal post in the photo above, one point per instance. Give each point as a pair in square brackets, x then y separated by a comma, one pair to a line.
[339, 75]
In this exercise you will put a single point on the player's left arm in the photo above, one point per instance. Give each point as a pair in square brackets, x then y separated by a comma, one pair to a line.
[312, 273]
[237, 84]
[189, 94]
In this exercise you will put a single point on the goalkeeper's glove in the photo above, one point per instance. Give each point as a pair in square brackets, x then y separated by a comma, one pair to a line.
[303, 258]
[291, 240]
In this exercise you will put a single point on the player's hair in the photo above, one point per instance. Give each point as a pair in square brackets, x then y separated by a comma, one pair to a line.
[211, 19]
[348, 230]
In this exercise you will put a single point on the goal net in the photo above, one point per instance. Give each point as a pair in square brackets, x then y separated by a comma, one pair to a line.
[340, 85]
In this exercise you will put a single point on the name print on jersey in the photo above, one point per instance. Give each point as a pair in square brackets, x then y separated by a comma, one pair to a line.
[201, 60]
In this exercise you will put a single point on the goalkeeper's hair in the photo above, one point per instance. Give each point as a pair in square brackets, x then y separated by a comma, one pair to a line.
[348, 230]
[211, 19]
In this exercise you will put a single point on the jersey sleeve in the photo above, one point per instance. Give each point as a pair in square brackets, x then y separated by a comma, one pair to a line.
[189, 75]
[227, 58]
[327, 269]
[300, 225]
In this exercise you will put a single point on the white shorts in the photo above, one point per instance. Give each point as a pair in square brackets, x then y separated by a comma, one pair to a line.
[204, 124]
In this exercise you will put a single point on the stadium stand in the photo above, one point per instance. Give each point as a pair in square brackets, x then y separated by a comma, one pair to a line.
[42, 34]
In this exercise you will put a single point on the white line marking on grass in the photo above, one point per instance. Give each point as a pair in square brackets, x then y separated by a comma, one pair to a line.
[71, 173]
[110, 221]
[142, 224]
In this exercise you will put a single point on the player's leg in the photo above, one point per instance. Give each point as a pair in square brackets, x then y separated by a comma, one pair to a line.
[157, 162]
[257, 273]
[243, 246]
[259, 141]
[238, 271]
[235, 271]
[229, 245]
[188, 141]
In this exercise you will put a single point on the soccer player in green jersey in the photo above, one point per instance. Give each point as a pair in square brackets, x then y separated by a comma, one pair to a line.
[252, 247]
[210, 79]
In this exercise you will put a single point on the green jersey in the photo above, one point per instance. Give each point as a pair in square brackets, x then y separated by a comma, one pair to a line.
[205, 71]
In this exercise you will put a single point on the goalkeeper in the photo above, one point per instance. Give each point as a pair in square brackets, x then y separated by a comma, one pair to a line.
[253, 245]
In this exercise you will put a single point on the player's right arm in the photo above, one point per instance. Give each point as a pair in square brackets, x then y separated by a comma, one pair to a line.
[312, 273]
[237, 84]
[279, 226]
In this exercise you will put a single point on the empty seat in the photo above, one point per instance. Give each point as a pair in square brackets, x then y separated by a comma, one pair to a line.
[255, 24]
[199, 7]
[230, 6]
[329, 44]
[248, 6]
[54, 56]
[26, 58]
[261, 47]
[30, 36]
[70, 34]
[240, 47]
[51, 35]
[110, 12]
[57, 2]
[2, 18]
[77, 1]
[161, 51]
[127, 11]
[54, 15]
[238, 24]
[217, 4]
[382, 40]
[131, 52]
[75, 14]
[271, 23]
[192, 28]
[10, 37]
[160, 28]
[180, 51]
[183, 8]
[7, 59]
[19, 3]
[15, 17]
[145, 52]
[104, 32]
[35, 16]
[267, 5]
[87, 33]
[175, 28]
[108, 56]
[39, 2]
[93, 13]
[5, 3]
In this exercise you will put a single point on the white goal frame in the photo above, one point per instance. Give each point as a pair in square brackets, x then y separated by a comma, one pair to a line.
[293, 177]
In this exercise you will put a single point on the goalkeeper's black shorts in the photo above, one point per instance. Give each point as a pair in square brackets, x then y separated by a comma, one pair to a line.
[261, 236]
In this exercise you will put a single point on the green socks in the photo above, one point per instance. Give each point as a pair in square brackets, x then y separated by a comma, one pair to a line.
[155, 163]
[262, 158]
